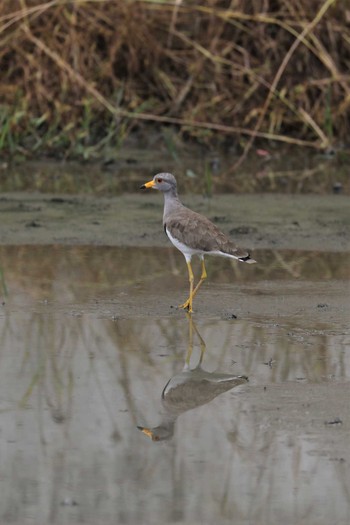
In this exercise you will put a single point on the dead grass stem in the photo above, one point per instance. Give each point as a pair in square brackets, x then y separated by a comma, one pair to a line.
[81, 71]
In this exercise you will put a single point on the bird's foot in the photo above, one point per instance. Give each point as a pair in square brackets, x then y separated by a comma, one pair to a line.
[186, 306]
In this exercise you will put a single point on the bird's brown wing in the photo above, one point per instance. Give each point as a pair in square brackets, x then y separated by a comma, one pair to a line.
[200, 233]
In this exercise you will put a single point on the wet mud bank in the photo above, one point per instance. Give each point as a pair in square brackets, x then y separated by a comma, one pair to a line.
[303, 222]
[93, 348]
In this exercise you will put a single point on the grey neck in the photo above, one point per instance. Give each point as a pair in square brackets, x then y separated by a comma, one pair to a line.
[171, 201]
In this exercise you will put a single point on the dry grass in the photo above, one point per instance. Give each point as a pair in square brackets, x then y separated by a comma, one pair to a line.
[79, 75]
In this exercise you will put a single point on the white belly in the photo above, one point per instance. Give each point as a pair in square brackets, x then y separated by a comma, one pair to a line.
[186, 250]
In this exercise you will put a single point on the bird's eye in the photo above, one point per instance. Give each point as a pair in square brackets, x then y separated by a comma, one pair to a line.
[159, 180]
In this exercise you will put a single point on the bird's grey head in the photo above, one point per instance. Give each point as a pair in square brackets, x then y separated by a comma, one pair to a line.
[164, 182]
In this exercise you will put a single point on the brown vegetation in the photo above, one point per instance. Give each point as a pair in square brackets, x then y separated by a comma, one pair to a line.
[79, 75]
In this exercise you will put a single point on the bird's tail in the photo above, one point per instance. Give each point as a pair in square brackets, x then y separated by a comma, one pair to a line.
[247, 259]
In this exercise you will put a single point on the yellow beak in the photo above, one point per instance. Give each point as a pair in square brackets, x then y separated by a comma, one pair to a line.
[149, 184]
[146, 431]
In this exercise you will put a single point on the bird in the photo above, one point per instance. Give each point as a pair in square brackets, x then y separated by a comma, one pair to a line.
[189, 389]
[192, 233]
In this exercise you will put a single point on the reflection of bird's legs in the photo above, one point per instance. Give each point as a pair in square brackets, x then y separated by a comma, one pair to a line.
[188, 304]
[193, 327]
[190, 340]
[201, 342]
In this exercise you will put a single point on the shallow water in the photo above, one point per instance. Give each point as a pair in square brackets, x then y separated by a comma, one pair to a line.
[90, 350]
[203, 171]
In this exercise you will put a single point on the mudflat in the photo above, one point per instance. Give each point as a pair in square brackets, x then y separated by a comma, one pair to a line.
[302, 222]
[91, 335]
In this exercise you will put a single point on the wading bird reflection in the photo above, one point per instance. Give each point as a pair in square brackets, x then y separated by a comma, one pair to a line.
[189, 389]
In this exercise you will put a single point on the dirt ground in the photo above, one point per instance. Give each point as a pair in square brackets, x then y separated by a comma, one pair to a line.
[267, 221]
[280, 223]
[308, 223]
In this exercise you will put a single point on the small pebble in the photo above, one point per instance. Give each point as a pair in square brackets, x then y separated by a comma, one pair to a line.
[335, 421]
[69, 502]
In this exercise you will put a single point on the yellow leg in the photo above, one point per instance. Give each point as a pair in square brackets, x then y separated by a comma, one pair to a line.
[187, 303]
[201, 280]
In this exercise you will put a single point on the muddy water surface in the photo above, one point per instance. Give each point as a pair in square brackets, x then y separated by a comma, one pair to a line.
[93, 347]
